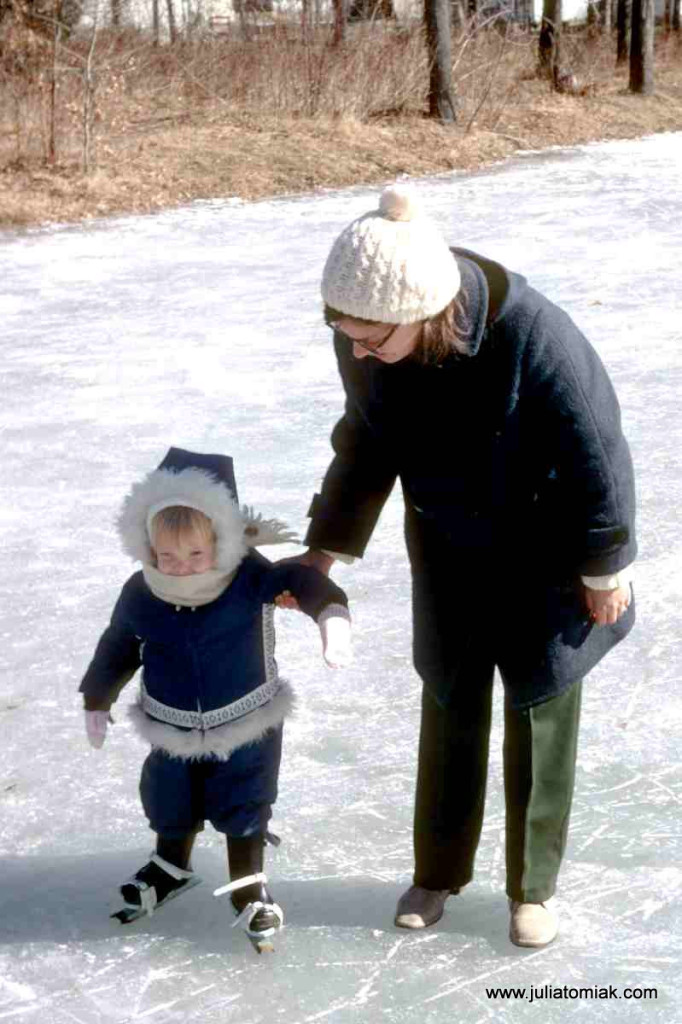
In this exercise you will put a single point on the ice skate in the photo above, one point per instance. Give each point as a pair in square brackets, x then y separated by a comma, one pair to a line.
[258, 914]
[156, 883]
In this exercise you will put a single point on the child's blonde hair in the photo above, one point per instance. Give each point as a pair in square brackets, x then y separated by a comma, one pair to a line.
[180, 521]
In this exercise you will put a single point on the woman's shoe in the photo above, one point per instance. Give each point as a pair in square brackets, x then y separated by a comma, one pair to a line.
[419, 908]
[532, 924]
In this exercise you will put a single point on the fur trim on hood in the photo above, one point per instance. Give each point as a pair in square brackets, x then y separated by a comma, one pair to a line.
[195, 488]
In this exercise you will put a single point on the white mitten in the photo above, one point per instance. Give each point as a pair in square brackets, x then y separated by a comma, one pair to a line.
[335, 632]
[96, 727]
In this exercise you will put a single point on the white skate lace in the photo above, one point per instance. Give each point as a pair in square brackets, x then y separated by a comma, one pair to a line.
[148, 897]
[251, 909]
[241, 883]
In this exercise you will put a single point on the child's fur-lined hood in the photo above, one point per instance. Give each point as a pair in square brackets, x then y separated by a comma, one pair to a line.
[236, 529]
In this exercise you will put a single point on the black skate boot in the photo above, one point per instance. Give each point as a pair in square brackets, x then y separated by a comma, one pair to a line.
[158, 881]
[251, 900]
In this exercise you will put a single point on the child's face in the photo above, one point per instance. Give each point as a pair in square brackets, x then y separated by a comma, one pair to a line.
[184, 555]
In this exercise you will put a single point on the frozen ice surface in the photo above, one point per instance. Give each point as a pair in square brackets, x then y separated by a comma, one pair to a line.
[201, 327]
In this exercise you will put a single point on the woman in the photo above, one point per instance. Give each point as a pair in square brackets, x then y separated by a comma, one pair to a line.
[500, 421]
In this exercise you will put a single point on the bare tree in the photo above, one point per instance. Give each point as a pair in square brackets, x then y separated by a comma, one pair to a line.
[438, 41]
[549, 45]
[459, 13]
[52, 129]
[340, 21]
[89, 85]
[306, 20]
[642, 47]
[241, 7]
[156, 27]
[623, 20]
[671, 16]
[172, 26]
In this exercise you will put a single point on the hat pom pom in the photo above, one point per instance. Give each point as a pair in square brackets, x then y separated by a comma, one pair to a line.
[398, 203]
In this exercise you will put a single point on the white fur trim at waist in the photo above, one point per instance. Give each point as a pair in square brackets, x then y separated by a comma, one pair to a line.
[209, 719]
[221, 740]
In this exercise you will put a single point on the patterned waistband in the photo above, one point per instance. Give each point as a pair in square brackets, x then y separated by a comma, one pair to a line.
[209, 719]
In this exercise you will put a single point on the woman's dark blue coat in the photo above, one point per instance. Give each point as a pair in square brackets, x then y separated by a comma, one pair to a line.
[517, 480]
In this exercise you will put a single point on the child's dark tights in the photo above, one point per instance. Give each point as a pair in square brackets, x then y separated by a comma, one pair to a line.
[244, 855]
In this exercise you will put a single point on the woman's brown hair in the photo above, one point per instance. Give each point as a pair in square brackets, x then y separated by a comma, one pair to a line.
[444, 334]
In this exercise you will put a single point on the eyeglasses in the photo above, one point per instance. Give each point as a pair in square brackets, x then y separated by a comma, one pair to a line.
[369, 346]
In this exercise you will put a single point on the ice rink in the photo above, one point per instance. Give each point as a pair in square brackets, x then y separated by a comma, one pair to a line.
[201, 327]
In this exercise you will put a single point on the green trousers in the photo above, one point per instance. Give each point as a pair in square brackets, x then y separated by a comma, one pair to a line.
[540, 745]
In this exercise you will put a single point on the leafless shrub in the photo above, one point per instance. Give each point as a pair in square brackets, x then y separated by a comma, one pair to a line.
[63, 95]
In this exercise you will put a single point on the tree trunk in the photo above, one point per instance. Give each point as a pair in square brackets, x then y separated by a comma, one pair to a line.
[642, 47]
[306, 21]
[459, 14]
[243, 19]
[441, 98]
[52, 135]
[116, 7]
[340, 20]
[606, 16]
[623, 19]
[156, 33]
[676, 15]
[667, 16]
[172, 27]
[89, 102]
[549, 45]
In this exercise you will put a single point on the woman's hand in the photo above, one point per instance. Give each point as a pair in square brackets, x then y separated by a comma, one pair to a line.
[607, 606]
[318, 560]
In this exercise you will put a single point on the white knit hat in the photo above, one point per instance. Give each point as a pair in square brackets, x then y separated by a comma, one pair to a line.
[391, 265]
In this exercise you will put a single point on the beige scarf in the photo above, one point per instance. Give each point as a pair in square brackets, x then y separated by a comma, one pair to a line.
[187, 591]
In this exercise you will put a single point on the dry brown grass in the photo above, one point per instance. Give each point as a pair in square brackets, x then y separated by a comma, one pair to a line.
[226, 116]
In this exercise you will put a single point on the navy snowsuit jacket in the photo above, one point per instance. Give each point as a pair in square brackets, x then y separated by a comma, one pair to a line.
[202, 666]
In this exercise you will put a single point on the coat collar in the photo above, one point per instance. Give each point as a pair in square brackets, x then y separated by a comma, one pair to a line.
[474, 298]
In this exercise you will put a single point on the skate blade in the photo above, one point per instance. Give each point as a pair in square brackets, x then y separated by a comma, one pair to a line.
[127, 915]
[265, 945]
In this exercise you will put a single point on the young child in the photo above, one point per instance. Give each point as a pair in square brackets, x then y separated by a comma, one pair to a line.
[198, 619]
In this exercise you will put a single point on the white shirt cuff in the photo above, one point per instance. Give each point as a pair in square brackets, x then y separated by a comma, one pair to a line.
[346, 559]
[622, 578]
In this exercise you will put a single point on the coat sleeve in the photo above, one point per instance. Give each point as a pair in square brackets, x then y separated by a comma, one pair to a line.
[115, 662]
[578, 413]
[359, 478]
[312, 589]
